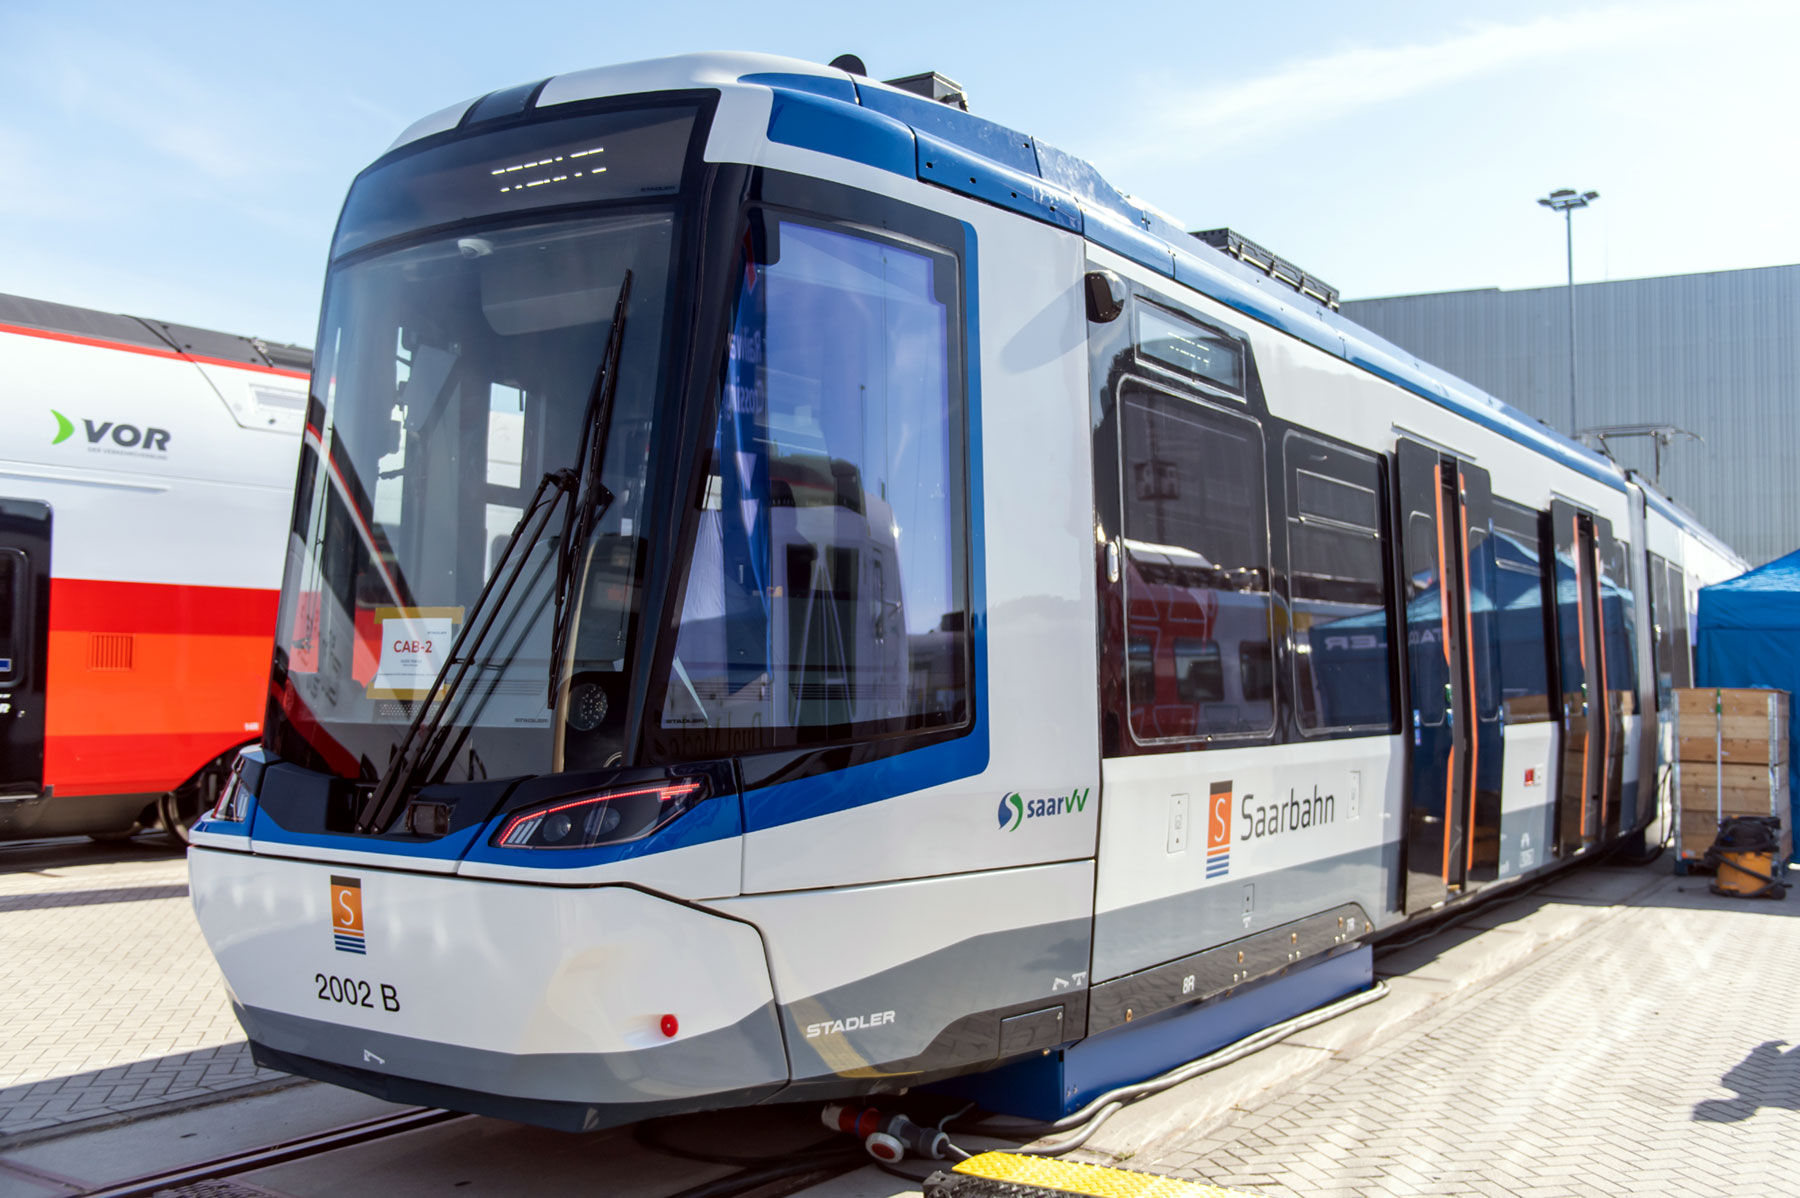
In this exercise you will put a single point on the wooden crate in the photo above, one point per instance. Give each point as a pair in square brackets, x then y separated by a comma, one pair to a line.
[1731, 759]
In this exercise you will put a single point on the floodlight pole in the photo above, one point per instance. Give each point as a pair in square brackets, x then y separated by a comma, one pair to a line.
[1566, 200]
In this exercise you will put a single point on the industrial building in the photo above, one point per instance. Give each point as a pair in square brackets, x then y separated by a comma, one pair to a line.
[1716, 355]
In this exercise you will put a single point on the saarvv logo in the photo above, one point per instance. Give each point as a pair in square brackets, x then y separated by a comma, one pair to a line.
[64, 429]
[347, 915]
[1012, 812]
[1015, 810]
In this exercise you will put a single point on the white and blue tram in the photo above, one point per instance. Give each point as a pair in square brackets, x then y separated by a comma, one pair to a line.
[797, 590]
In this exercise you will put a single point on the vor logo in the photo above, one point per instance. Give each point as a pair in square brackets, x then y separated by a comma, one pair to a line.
[123, 437]
[347, 915]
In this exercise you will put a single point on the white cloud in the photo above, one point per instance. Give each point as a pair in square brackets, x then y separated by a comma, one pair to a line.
[1314, 91]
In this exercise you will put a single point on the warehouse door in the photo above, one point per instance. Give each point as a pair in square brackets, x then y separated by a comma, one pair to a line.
[24, 604]
[1454, 713]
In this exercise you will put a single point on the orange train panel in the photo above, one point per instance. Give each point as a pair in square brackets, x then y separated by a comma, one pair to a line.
[148, 682]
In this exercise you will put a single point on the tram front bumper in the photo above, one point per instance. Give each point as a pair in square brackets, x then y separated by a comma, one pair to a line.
[546, 1004]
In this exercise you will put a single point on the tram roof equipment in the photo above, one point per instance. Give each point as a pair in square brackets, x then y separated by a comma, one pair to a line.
[830, 111]
[1235, 245]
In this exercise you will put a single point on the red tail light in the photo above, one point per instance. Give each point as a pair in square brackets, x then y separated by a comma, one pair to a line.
[611, 817]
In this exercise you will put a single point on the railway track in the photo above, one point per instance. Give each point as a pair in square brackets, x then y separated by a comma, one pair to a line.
[223, 1168]
[770, 1177]
[26, 856]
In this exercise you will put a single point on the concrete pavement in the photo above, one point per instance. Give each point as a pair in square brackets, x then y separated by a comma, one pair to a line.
[112, 1003]
[1617, 1031]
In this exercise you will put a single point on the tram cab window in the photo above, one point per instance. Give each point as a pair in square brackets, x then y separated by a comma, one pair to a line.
[1518, 605]
[456, 371]
[826, 596]
[1340, 586]
[1197, 568]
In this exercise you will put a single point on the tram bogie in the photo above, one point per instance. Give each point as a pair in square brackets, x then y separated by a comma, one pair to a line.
[758, 584]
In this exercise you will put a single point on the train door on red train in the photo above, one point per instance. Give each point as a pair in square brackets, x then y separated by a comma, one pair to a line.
[24, 603]
[1452, 801]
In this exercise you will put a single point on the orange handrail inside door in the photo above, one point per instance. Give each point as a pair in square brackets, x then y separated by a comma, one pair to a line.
[1444, 636]
[1468, 594]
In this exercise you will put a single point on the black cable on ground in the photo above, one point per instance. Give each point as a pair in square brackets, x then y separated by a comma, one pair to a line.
[915, 1178]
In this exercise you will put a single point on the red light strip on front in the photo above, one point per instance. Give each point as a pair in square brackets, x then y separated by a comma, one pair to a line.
[664, 794]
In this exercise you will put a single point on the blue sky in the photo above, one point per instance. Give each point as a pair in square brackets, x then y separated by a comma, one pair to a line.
[187, 160]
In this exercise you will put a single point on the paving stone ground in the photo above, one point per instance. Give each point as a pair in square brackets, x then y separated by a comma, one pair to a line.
[1655, 1052]
[110, 1000]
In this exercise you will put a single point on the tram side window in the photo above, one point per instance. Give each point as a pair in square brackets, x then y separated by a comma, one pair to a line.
[826, 596]
[1683, 675]
[1518, 601]
[1619, 621]
[1197, 569]
[1663, 631]
[1342, 595]
[1193, 349]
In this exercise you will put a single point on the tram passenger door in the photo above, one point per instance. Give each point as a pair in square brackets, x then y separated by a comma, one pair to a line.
[1445, 520]
[1581, 780]
[1612, 592]
[1483, 621]
[24, 603]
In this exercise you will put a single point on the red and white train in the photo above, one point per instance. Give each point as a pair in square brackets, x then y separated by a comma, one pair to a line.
[146, 474]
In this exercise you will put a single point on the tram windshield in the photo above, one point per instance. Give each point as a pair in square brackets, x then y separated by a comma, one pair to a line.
[454, 372]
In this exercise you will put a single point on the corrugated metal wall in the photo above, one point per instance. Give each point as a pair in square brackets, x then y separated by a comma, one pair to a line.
[1715, 353]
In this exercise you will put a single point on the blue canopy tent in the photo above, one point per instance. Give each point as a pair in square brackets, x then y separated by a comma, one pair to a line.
[1750, 636]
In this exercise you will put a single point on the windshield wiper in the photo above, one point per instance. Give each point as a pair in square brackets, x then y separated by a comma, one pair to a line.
[588, 499]
[592, 498]
[422, 742]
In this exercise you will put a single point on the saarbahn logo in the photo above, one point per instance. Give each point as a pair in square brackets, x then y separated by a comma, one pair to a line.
[1218, 830]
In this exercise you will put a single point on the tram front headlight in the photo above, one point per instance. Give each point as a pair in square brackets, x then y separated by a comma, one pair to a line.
[609, 817]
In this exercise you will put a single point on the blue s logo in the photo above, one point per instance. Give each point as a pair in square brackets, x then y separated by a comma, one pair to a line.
[1012, 812]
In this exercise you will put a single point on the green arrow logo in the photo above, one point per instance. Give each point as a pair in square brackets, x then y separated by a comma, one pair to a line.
[64, 430]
